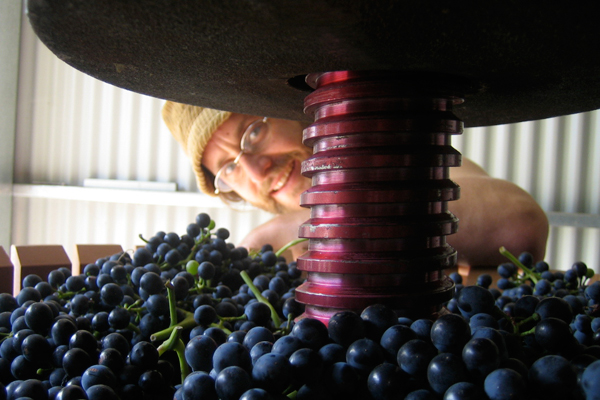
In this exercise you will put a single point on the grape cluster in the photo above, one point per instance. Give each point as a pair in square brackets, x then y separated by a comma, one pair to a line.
[193, 317]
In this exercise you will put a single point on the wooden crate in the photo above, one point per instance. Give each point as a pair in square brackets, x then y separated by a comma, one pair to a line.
[88, 253]
[36, 259]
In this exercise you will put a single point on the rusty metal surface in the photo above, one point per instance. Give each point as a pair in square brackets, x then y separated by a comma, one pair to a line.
[521, 60]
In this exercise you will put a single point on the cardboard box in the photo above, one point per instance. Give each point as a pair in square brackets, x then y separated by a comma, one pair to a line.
[6, 273]
[36, 259]
[88, 254]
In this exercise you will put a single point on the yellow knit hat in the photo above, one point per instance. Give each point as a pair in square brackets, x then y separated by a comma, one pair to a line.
[192, 127]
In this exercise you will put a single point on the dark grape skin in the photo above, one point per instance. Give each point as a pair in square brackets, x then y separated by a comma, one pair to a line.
[504, 383]
[97, 375]
[346, 327]
[475, 299]
[445, 370]
[199, 353]
[144, 354]
[393, 338]
[36, 348]
[553, 377]
[387, 382]
[272, 372]
[307, 366]
[287, 345]
[76, 361]
[199, 382]
[311, 332]
[481, 356]
[231, 354]
[364, 354]
[449, 333]
[100, 392]
[377, 318]
[232, 382]
[553, 334]
[31, 388]
[464, 391]
[256, 335]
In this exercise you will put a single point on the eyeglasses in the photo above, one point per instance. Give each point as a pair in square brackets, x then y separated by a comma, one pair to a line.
[253, 141]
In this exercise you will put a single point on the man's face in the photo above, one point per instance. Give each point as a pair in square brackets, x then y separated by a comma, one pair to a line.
[271, 179]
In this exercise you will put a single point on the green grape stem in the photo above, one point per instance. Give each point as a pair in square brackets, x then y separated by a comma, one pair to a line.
[290, 244]
[175, 343]
[528, 272]
[187, 322]
[172, 305]
[260, 297]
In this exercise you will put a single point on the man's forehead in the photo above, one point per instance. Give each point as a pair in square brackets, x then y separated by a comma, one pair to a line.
[235, 125]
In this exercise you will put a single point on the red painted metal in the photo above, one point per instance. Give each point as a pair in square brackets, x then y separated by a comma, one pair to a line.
[380, 187]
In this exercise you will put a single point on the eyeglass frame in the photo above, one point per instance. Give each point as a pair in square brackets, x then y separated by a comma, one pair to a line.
[237, 159]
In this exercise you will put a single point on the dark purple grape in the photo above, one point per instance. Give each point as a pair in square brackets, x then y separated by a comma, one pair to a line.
[205, 315]
[84, 340]
[387, 382]
[464, 391]
[272, 372]
[199, 353]
[377, 318]
[39, 317]
[553, 377]
[157, 305]
[151, 381]
[394, 338]
[112, 359]
[445, 370]
[100, 392]
[311, 332]
[415, 355]
[230, 354]
[449, 333]
[590, 382]
[287, 345]
[480, 356]
[217, 334]
[332, 353]
[554, 307]
[31, 388]
[258, 312]
[199, 385]
[342, 380]
[72, 392]
[76, 361]
[260, 349]
[553, 334]
[152, 283]
[111, 294]
[475, 299]
[36, 348]
[345, 327]
[144, 355]
[98, 375]
[505, 383]
[256, 394]
[364, 354]
[307, 366]
[232, 382]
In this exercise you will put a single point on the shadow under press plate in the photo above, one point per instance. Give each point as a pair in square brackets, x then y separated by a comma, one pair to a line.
[513, 61]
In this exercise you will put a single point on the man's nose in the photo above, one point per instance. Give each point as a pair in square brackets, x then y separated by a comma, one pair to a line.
[256, 166]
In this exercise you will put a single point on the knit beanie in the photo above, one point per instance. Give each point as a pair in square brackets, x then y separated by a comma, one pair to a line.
[192, 127]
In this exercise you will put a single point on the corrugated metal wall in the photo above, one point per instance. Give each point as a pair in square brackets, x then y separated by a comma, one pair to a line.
[72, 127]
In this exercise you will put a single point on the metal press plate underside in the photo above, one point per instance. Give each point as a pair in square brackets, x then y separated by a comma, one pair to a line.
[514, 60]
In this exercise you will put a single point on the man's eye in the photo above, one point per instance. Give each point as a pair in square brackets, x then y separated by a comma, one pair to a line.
[229, 168]
[257, 132]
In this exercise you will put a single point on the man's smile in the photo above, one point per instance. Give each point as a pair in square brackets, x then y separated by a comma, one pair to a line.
[283, 177]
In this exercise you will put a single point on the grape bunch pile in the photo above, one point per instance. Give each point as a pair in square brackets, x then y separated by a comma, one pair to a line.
[193, 317]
